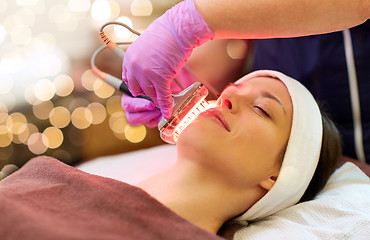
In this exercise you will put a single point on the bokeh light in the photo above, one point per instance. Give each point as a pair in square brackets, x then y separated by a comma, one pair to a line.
[29, 95]
[36, 143]
[44, 90]
[2, 34]
[120, 31]
[9, 169]
[79, 6]
[22, 137]
[43, 109]
[135, 134]
[141, 7]
[115, 9]
[81, 118]
[11, 21]
[6, 136]
[103, 89]
[118, 122]
[28, 17]
[63, 85]
[10, 101]
[32, 129]
[36, 6]
[3, 112]
[26, 3]
[236, 48]
[54, 59]
[100, 10]
[54, 137]
[16, 123]
[21, 34]
[77, 102]
[88, 80]
[3, 6]
[47, 38]
[98, 112]
[6, 83]
[60, 117]
[114, 104]
[59, 13]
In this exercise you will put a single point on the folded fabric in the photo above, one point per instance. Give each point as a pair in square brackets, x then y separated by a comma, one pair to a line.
[133, 167]
[47, 199]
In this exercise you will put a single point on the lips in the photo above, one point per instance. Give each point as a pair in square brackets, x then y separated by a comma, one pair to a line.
[218, 116]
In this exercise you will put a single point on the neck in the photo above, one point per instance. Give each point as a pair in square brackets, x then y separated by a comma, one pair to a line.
[196, 196]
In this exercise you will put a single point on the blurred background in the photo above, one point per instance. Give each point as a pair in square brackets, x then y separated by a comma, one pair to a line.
[50, 101]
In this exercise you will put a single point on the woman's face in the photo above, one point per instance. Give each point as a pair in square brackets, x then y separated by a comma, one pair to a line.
[242, 139]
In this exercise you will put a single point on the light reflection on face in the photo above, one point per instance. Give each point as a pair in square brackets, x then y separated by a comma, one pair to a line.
[245, 134]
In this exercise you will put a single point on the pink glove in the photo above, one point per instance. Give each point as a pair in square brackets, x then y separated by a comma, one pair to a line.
[153, 60]
[141, 111]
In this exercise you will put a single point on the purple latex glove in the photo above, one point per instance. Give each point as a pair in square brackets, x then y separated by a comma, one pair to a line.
[141, 111]
[154, 59]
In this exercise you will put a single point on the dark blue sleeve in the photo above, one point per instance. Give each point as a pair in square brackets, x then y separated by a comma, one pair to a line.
[319, 63]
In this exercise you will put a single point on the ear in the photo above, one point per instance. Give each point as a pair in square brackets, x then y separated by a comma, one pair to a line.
[268, 183]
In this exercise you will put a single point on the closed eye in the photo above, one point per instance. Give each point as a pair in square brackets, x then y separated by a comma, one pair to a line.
[263, 111]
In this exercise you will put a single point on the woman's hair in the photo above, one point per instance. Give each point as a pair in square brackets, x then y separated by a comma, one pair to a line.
[331, 150]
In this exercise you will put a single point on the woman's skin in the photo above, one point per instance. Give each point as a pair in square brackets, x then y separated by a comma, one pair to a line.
[230, 156]
[281, 18]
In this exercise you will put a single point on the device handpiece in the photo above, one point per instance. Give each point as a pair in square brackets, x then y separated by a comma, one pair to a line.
[187, 105]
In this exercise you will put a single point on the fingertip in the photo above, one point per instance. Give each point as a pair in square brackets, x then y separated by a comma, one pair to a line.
[167, 113]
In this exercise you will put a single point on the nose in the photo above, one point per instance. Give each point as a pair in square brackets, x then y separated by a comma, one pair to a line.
[228, 100]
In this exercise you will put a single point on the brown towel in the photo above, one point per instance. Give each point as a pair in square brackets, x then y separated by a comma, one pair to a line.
[47, 199]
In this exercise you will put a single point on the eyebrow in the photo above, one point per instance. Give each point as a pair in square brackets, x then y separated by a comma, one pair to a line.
[270, 96]
[265, 94]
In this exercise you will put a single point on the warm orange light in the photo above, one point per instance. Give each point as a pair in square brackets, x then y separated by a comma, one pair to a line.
[16, 122]
[88, 79]
[98, 112]
[63, 85]
[54, 137]
[81, 118]
[103, 89]
[6, 136]
[36, 143]
[60, 117]
[118, 122]
[114, 105]
[135, 134]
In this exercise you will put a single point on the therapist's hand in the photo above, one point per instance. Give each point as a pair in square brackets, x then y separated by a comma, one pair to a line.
[153, 60]
[141, 111]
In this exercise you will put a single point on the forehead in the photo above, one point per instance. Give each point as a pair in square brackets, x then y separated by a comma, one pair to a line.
[268, 83]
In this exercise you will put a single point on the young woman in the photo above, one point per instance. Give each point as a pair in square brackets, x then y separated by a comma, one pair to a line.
[231, 156]
[252, 155]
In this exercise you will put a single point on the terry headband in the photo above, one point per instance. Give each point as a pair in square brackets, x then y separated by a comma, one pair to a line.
[301, 155]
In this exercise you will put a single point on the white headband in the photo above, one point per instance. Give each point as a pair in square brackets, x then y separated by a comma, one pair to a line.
[301, 155]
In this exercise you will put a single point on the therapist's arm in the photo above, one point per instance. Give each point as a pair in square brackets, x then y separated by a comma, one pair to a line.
[281, 18]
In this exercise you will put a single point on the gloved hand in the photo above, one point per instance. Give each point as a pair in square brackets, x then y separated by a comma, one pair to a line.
[141, 111]
[153, 60]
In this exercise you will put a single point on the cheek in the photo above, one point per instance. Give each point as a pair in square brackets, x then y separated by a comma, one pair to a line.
[257, 139]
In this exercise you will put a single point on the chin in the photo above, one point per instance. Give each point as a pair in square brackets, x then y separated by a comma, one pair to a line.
[197, 141]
